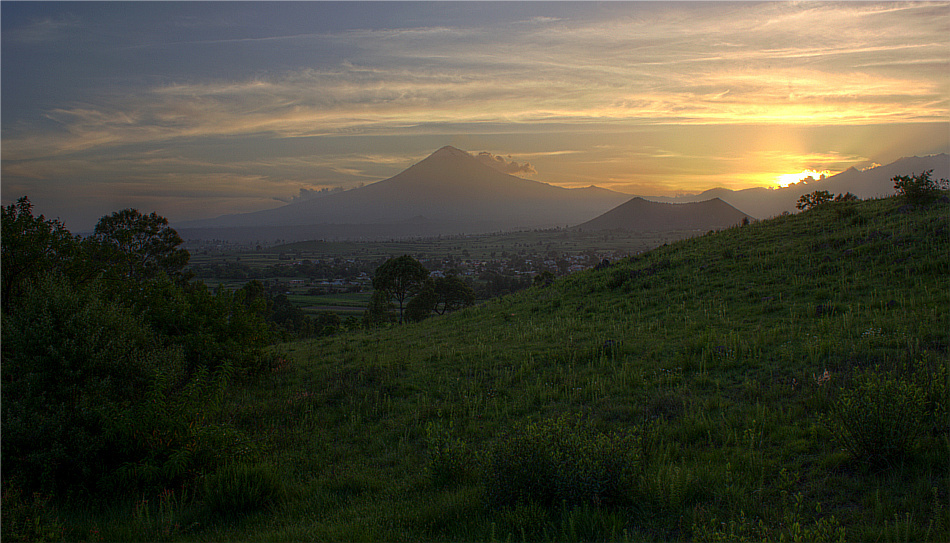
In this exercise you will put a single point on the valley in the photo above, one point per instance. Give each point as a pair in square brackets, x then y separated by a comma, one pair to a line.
[316, 274]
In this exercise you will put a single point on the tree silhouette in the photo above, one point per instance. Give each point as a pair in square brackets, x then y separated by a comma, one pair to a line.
[139, 246]
[400, 279]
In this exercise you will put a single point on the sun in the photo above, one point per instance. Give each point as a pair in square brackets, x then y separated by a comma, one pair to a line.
[787, 179]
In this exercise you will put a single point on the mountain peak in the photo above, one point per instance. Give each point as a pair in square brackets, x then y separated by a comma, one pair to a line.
[449, 151]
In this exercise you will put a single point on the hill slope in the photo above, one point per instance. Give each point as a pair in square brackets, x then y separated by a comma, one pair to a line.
[638, 215]
[725, 356]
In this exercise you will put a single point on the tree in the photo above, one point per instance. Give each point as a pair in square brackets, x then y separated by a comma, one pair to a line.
[379, 310]
[31, 246]
[400, 279]
[139, 246]
[422, 304]
[815, 199]
[452, 293]
[918, 189]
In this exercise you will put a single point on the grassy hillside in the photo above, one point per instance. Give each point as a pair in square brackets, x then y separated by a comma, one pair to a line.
[702, 391]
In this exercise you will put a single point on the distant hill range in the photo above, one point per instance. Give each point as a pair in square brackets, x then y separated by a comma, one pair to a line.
[450, 192]
[763, 203]
[639, 215]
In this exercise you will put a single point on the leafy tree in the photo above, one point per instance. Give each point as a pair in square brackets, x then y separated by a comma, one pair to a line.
[399, 279]
[31, 246]
[452, 293]
[422, 304]
[379, 310]
[815, 199]
[139, 246]
[919, 189]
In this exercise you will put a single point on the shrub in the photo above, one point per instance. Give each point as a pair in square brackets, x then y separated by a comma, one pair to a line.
[815, 199]
[29, 518]
[241, 489]
[563, 461]
[878, 418]
[918, 189]
[451, 460]
[91, 397]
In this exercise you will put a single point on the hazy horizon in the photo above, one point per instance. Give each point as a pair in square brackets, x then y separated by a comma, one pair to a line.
[196, 110]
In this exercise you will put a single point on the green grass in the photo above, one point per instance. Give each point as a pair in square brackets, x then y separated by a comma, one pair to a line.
[724, 355]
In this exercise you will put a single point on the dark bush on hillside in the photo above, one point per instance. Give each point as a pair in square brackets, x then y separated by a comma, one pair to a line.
[815, 199]
[878, 418]
[919, 189]
[562, 461]
[92, 399]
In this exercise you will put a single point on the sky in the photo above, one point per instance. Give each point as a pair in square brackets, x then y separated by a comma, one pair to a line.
[199, 109]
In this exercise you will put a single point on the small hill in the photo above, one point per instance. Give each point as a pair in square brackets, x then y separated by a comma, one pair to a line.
[638, 215]
[449, 186]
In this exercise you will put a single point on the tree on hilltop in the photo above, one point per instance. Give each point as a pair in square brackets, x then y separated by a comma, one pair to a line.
[919, 189]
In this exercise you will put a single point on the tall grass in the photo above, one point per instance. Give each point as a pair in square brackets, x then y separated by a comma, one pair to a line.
[725, 356]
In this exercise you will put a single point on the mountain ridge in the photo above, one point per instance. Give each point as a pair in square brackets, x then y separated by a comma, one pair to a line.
[448, 185]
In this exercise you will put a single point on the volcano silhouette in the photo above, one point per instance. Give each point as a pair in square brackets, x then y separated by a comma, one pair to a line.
[449, 185]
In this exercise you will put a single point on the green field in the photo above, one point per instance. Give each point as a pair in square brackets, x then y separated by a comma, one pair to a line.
[705, 390]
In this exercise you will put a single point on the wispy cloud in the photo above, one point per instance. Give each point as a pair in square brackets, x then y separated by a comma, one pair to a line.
[718, 69]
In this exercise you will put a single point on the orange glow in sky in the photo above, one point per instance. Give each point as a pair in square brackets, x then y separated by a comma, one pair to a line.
[199, 109]
[786, 179]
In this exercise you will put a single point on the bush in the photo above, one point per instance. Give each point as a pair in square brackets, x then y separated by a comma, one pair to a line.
[92, 399]
[241, 489]
[815, 199]
[878, 418]
[918, 189]
[563, 461]
[451, 461]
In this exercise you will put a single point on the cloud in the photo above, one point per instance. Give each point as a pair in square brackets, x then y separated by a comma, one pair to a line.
[43, 30]
[501, 164]
[309, 194]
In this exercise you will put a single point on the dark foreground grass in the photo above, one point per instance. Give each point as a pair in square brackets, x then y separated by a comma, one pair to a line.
[702, 391]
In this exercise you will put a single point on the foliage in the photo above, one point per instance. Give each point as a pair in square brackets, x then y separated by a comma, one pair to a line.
[440, 295]
[815, 199]
[379, 311]
[422, 304]
[111, 358]
[879, 417]
[239, 489]
[563, 461]
[30, 518]
[137, 246]
[400, 279]
[452, 462]
[713, 345]
[452, 294]
[92, 399]
[212, 328]
[543, 279]
[919, 189]
[31, 246]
